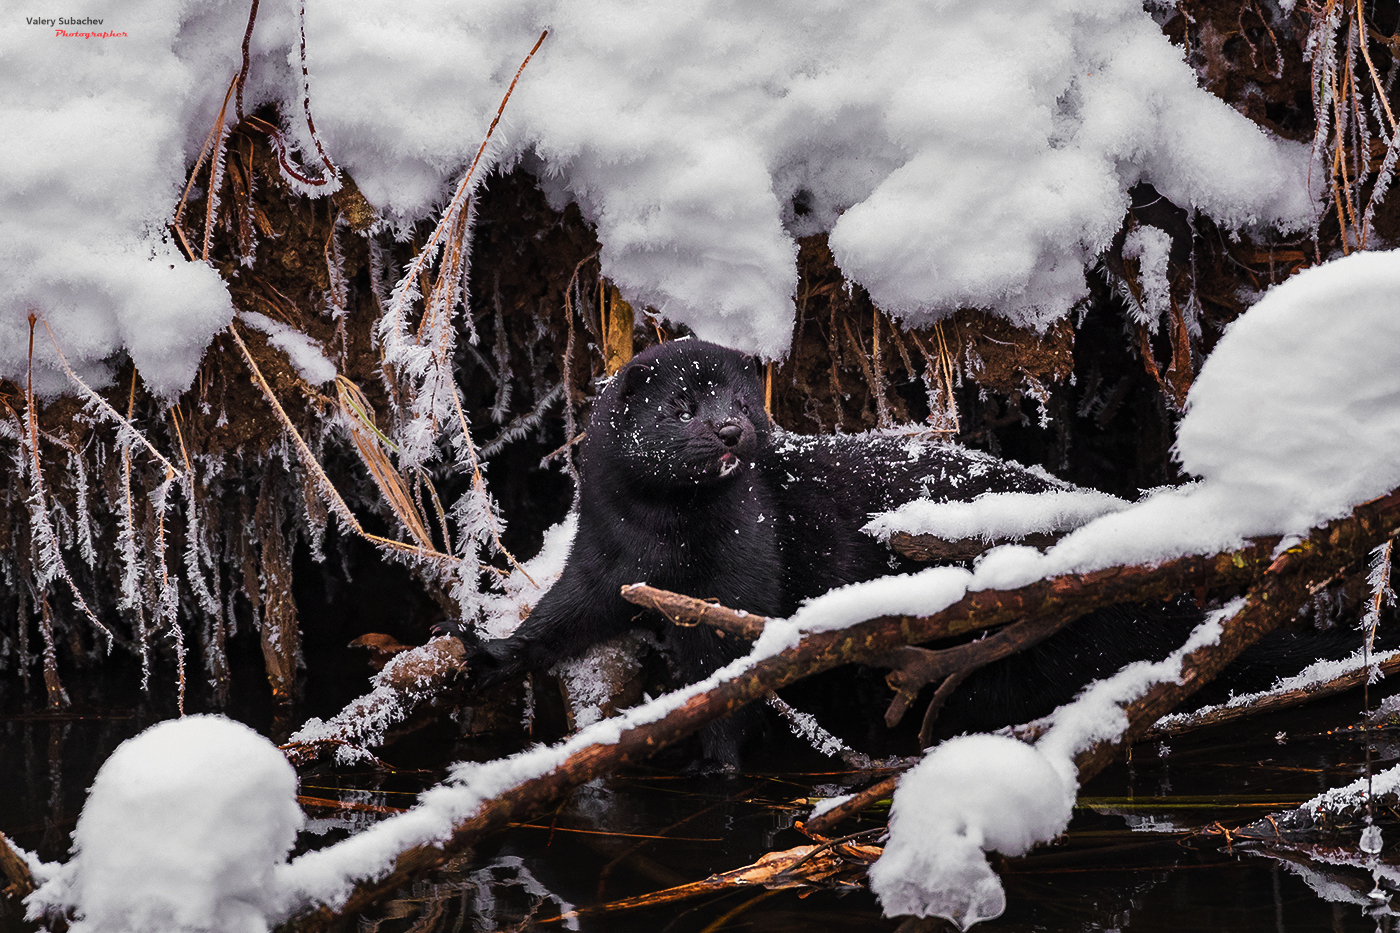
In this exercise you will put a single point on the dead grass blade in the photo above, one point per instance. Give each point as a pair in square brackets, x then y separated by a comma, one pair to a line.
[370, 443]
[317, 475]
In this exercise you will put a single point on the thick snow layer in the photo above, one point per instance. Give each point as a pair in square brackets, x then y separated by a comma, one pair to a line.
[954, 159]
[1296, 414]
[969, 794]
[996, 516]
[105, 130]
[186, 828]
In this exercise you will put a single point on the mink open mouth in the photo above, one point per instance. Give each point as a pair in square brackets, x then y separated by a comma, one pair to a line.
[728, 463]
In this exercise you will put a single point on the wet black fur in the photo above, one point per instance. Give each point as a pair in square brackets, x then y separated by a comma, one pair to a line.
[687, 486]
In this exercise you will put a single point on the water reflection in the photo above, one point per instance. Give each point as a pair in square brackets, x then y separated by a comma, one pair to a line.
[1147, 849]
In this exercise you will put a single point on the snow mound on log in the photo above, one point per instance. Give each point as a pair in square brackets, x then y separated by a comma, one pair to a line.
[969, 794]
[956, 160]
[1297, 410]
[996, 516]
[187, 828]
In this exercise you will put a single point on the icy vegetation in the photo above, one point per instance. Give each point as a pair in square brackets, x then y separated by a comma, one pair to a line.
[955, 160]
[187, 827]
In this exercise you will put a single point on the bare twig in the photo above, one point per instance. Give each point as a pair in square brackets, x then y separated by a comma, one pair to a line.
[687, 610]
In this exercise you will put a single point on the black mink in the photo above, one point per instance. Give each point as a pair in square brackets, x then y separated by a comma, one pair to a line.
[686, 485]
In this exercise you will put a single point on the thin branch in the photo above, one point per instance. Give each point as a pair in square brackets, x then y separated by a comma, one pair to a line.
[687, 611]
[1269, 702]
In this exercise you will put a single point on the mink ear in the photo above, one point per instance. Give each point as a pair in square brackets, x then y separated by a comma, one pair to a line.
[634, 376]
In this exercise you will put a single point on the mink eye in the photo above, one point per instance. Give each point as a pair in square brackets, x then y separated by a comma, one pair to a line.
[683, 415]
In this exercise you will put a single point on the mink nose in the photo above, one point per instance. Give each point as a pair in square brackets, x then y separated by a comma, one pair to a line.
[730, 433]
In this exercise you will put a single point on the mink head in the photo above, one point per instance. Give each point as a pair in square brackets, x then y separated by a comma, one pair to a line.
[681, 415]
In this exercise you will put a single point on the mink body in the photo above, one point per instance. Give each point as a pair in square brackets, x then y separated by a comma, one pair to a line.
[687, 486]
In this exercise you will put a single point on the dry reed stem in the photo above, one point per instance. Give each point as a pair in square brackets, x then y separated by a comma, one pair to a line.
[131, 566]
[418, 264]
[318, 475]
[570, 424]
[32, 424]
[1371, 66]
[942, 374]
[176, 631]
[215, 176]
[306, 105]
[53, 686]
[479, 482]
[369, 443]
[452, 229]
[882, 408]
[214, 131]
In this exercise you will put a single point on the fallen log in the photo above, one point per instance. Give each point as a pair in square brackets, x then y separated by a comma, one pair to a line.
[1285, 583]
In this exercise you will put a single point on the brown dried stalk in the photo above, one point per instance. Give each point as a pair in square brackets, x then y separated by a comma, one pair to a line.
[215, 132]
[318, 476]
[370, 443]
[14, 870]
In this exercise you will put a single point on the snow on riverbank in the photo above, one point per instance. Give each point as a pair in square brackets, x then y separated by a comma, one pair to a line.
[955, 158]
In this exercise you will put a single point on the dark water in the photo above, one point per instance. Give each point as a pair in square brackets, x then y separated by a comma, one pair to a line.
[1138, 855]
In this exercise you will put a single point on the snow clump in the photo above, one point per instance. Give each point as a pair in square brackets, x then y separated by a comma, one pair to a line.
[996, 516]
[959, 154]
[87, 189]
[186, 828]
[970, 794]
